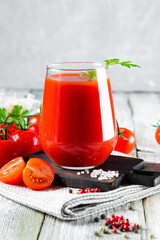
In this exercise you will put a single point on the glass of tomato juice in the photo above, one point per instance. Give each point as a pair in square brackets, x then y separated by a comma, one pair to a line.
[77, 129]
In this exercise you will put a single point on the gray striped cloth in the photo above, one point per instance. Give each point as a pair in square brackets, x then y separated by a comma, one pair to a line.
[58, 202]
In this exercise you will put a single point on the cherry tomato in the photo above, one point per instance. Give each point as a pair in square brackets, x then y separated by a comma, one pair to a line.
[34, 128]
[125, 145]
[28, 142]
[8, 150]
[11, 129]
[11, 172]
[38, 174]
[157, 135]
[35, 119]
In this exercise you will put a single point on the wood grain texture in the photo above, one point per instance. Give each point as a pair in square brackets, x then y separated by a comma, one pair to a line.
[145, 113]
[151, 204]
[18, 222]
[84, 229]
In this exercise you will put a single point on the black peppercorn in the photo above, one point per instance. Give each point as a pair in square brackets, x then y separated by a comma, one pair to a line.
[70, 191]
[96, 219]
[110, 226]
[103, 216]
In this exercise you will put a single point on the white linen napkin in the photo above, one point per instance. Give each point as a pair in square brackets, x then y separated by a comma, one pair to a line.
[58, 202]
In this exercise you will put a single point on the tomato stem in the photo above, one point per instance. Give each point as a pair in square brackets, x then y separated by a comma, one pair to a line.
[120, 132]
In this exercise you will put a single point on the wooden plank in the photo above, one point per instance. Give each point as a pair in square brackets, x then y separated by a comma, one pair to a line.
[123, 111]
[84, 229]
[145, 113]
[18, 222]
[151, 204]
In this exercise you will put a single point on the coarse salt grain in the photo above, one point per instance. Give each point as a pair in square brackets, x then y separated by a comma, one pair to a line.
[104, 175]
[78, 173]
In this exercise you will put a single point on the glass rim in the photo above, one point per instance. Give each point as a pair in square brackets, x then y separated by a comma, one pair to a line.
[57, 66]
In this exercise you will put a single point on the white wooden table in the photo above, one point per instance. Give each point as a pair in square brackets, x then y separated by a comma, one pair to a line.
[136, 111]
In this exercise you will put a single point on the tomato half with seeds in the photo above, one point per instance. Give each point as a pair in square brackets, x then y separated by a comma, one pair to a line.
[11, 172]
[38, 174]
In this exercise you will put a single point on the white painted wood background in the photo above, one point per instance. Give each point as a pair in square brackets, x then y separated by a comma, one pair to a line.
[136, 111]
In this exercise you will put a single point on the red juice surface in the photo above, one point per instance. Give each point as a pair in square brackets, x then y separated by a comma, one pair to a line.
[74, 131]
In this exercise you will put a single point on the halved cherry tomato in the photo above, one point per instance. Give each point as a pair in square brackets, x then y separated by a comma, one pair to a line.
[28, 142]
[125, 145]
[35, 119]
[8, 150]
[38, 174]
[11, 172]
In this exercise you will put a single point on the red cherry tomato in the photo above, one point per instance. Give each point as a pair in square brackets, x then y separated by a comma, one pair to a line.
[11, 172]
[38, 174]
[8, 150]
[125, 145]
[28, 142]
[34, 128]
[35, 119]
[11, 129]
[157, 135]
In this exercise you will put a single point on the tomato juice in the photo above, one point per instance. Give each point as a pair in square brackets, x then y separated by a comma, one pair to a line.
[77, 127]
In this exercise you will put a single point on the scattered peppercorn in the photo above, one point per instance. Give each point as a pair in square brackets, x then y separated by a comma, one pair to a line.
[96, 219]
[101, 228]
[103, 216]
[114, 230]
[151, 235]
[96, 234]
[121, 218]
[139, 226]
[134, 225]
[88, 190]
[117, 222]
[121, 229]
[108, 220]
[130, 207]
[135, 230]
[110, 226]
[124, 235]
[80, 191]
[70, 191]
[105, 231]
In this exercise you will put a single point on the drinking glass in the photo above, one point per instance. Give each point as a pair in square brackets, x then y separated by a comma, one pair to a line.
[77, 129]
